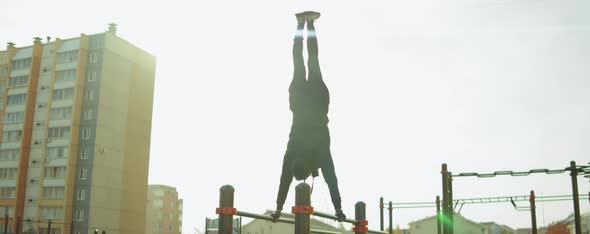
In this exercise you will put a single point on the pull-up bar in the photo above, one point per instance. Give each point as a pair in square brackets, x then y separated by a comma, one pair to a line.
[302, 210]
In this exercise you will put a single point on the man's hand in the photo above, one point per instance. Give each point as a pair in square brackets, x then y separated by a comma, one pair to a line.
[341, 216]
[275, 215]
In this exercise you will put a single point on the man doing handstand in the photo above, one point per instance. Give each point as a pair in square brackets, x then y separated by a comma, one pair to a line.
[309, 141]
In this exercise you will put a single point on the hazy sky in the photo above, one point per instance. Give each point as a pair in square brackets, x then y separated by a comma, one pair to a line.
[482, 85]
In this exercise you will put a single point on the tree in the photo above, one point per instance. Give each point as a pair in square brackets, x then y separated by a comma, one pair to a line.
[558, 228]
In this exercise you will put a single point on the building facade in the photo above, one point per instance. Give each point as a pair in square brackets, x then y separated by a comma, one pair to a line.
[75, 120]
[164, 210]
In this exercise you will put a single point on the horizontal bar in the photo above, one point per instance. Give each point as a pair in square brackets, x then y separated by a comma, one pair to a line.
[332, 217]
[324, 232]
[263, 217]
[412, 203]
[280, 220]
[378, 232]
[406, 207]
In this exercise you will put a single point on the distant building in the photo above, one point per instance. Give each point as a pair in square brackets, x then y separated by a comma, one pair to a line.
[211, 226]
[75, 125]
[494, 228]
[462, 226]
[266, 227]
[163, 210]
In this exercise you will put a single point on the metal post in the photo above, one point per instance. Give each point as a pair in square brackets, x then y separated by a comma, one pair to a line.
[360, 216]
[6, 223]
[206, 225]
[445, 201]
[533, 212]
[438, 231]
[381, 213]
[49, 227]
[302, 198]
[574, 174]
[226, 203]
[18, 221]
[451, 205]
[390, 217]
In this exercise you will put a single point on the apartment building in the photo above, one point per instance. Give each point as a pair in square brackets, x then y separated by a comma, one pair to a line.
[164, 210]
[75, 120]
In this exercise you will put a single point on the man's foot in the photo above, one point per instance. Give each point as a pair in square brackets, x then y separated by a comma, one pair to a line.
[300, 18]
[311, 16]
[340, 215]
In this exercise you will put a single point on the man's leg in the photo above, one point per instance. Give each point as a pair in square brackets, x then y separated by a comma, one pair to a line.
[299, 66]
[313, 62]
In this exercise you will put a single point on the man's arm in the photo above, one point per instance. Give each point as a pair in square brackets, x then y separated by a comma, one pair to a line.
[332, 182]
[286, 179]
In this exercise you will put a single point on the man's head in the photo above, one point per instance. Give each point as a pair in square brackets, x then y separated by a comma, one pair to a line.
[300, 169]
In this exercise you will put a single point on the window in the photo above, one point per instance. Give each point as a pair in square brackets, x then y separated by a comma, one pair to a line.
[81, 196]
[90, 95]
[4, 70]
[158, 203]
[48, 212]
[89, 114]
[8, 173]
[79, 215]
[57, 152]
[93, 57]
[83, 173]
[159, 192]
[63, 94]
[84, 153]
[86, 134]
[7, 192]
[11, 136]
[7, 210]
[9, 154]
[65, 75]
[61, 113]
[91, 76]
[16, 99]
[55, 172]
[67, 57]
[59, 132]
[21, 64]
[52, 192]
[14, 117]
[17, 81]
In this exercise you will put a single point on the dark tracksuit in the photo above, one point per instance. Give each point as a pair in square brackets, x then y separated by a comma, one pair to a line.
[310, 137]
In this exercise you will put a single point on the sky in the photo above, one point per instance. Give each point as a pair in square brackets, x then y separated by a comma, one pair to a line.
[483, 85]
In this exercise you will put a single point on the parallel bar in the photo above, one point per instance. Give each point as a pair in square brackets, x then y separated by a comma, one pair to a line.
[332, 217]
[264, 217]
[280, 220]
